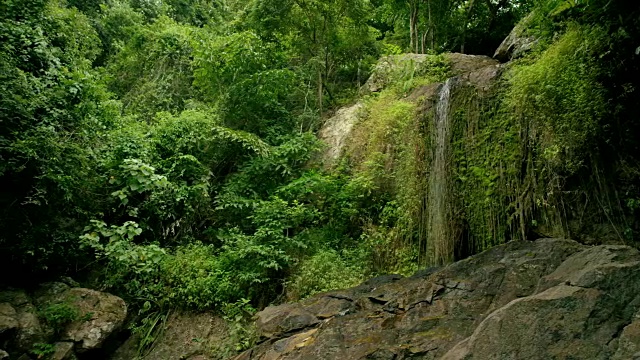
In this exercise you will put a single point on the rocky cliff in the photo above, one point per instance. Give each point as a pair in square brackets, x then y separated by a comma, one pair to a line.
[548, 299]
[474, 153]
[416, 113]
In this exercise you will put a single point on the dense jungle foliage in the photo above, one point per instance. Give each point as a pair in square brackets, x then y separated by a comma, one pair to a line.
[165, 150]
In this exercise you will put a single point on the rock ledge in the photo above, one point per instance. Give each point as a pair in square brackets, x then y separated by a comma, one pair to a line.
[548, 299]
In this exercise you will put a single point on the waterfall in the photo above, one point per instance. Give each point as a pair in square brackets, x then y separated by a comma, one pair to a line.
[440, 241]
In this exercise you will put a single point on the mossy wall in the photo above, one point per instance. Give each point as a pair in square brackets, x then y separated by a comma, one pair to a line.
[526, 157]
[527, 154]
[387, 154]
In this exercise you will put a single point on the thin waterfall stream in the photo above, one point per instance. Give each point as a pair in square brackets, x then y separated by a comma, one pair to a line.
[441, 243]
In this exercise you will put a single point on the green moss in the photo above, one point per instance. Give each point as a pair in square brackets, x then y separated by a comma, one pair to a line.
[436, 334]
[516, 150]
[522, 156]
[386, 152]
[486, 154]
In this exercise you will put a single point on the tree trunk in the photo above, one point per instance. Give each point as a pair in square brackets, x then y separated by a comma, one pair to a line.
[414, 42]
[431, 27]
[320, 92]
[424, 39]
[415, 26]
[411, 35]
[465, 25]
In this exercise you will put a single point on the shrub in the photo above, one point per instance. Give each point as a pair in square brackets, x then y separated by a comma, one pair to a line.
[192, 277]
[324, 271]
[43, 350]
[58, 315]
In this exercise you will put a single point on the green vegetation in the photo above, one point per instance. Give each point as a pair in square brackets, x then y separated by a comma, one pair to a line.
[534, 157]
[325, 270]
[58, 315]
[467, 26]
[166, 150]
[43, 350]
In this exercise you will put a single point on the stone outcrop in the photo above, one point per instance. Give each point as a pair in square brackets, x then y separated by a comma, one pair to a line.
[475, 70]
[187, 336]
[98, 316]
[462, 63]
[63, 351]
[393, 67]
[337, 129]
[548, 299]
[390, 68]
[517, 43]
[8, 318]
[102, 314]
[19, 312]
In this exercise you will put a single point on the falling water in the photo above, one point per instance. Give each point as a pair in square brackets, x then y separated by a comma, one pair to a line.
[440, 238]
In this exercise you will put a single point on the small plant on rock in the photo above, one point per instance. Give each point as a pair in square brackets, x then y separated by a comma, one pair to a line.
[59, 315]
[42, 350]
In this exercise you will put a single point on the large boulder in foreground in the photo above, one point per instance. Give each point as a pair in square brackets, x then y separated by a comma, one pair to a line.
[548, 299]
[579, 310]
[101, 315]
[90, 318]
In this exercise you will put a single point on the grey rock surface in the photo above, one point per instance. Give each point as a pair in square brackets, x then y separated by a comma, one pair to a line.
[548, 299]
[186, 336]
[101, 314]
[517, 43]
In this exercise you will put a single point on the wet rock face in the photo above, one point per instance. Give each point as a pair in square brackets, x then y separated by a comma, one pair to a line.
[548, 299]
